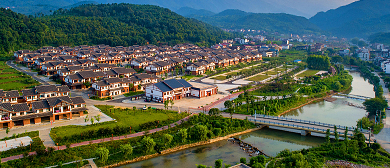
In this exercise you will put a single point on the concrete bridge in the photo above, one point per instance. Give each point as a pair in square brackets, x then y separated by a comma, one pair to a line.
[352, 96]
[304, 126]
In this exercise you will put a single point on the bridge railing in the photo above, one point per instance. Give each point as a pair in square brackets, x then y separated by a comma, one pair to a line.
[303, 121]
[296, 126]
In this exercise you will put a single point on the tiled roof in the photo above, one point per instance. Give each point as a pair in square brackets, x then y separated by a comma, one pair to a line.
[63, 88]
[163, 87]
[28, 92]
[20, 107]
[184, 82]
[123, 70]
[173, 83]
[46, 88]
[41, 104]
[77, 100]
[12, 93]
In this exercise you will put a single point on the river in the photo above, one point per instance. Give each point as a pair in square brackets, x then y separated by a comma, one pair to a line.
[269, 140]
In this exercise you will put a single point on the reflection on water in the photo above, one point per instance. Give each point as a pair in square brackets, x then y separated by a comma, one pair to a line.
[361, 86]
[337, 112]
[268, 140]
[273, 141]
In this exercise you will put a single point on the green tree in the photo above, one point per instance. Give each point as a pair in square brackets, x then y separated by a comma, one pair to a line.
[166, 104]
[182, 134]
[167, 138]
[346, 134]
[228, 104]
[243, 160]
[327, 136]
[126, 149]
[375, 104]
[172, 103]
[147, 144]
[336, 86]
[97, 118]
[198, 132]
[214, 112]
[218, 163]
[336, 134]
[102, 153]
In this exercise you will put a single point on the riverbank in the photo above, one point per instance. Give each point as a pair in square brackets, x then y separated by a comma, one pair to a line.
[183, 147]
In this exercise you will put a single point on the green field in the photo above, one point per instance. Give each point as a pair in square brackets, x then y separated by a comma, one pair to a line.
[123, 118]
[271, 72]
[308, 73]
[232, 73]
[221, 77]
[11, 79]
[259, 78]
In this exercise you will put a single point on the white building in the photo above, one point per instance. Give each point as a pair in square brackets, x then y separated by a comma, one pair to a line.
[364, 54]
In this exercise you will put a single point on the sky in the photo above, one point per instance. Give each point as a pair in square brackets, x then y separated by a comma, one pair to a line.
[312, 7]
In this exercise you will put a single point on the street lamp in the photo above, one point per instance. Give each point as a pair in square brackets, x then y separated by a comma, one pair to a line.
[369, 137]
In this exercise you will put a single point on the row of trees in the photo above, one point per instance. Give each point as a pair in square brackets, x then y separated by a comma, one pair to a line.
[318, 62]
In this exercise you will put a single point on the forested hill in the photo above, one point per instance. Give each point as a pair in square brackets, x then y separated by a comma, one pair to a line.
[111, 24]
[270, 22]
[380, 38]
[358, 19]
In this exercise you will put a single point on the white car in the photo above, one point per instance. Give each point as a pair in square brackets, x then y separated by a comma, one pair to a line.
[145, 108]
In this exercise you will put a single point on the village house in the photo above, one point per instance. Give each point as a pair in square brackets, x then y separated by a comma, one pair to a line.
[174, 89]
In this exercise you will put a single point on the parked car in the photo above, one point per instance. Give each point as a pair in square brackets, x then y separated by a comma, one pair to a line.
[145, 108]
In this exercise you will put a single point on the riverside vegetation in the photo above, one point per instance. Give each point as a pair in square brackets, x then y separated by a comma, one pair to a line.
[355, 151]
[320, 87]
[196, 129]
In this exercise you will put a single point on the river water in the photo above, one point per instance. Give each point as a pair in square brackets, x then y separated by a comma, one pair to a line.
[269, 140]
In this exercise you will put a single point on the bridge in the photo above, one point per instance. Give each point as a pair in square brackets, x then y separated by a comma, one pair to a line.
[352, 96]
[305, 126]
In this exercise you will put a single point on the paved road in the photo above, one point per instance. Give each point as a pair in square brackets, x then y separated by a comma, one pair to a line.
[383, 137]
[32, 74]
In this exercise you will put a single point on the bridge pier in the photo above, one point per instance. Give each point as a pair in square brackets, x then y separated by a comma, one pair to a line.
[305, 133]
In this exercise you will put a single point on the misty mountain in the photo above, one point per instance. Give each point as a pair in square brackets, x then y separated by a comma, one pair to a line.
[305, 8]
[188, 12]
[270, 22]
[359, 19]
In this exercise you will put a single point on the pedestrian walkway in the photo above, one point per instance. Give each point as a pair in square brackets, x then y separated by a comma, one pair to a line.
[104, 139]
[45, 137]
[92, 163]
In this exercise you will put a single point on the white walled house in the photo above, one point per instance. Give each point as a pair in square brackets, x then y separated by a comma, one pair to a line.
[168, 90]
[177, 89]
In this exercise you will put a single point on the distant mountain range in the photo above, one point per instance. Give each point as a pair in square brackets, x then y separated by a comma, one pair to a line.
[359, 19]
[305, 8]
[270, 22]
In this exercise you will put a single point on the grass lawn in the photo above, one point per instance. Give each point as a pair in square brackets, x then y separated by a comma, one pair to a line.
[271, 72]
[245, 70]
[124, 118]
[188, 77]
[281, 69]
[221, 77]
[11, 79]
[259, 78]
[232, 73]
[308, 73]
[131, 93]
